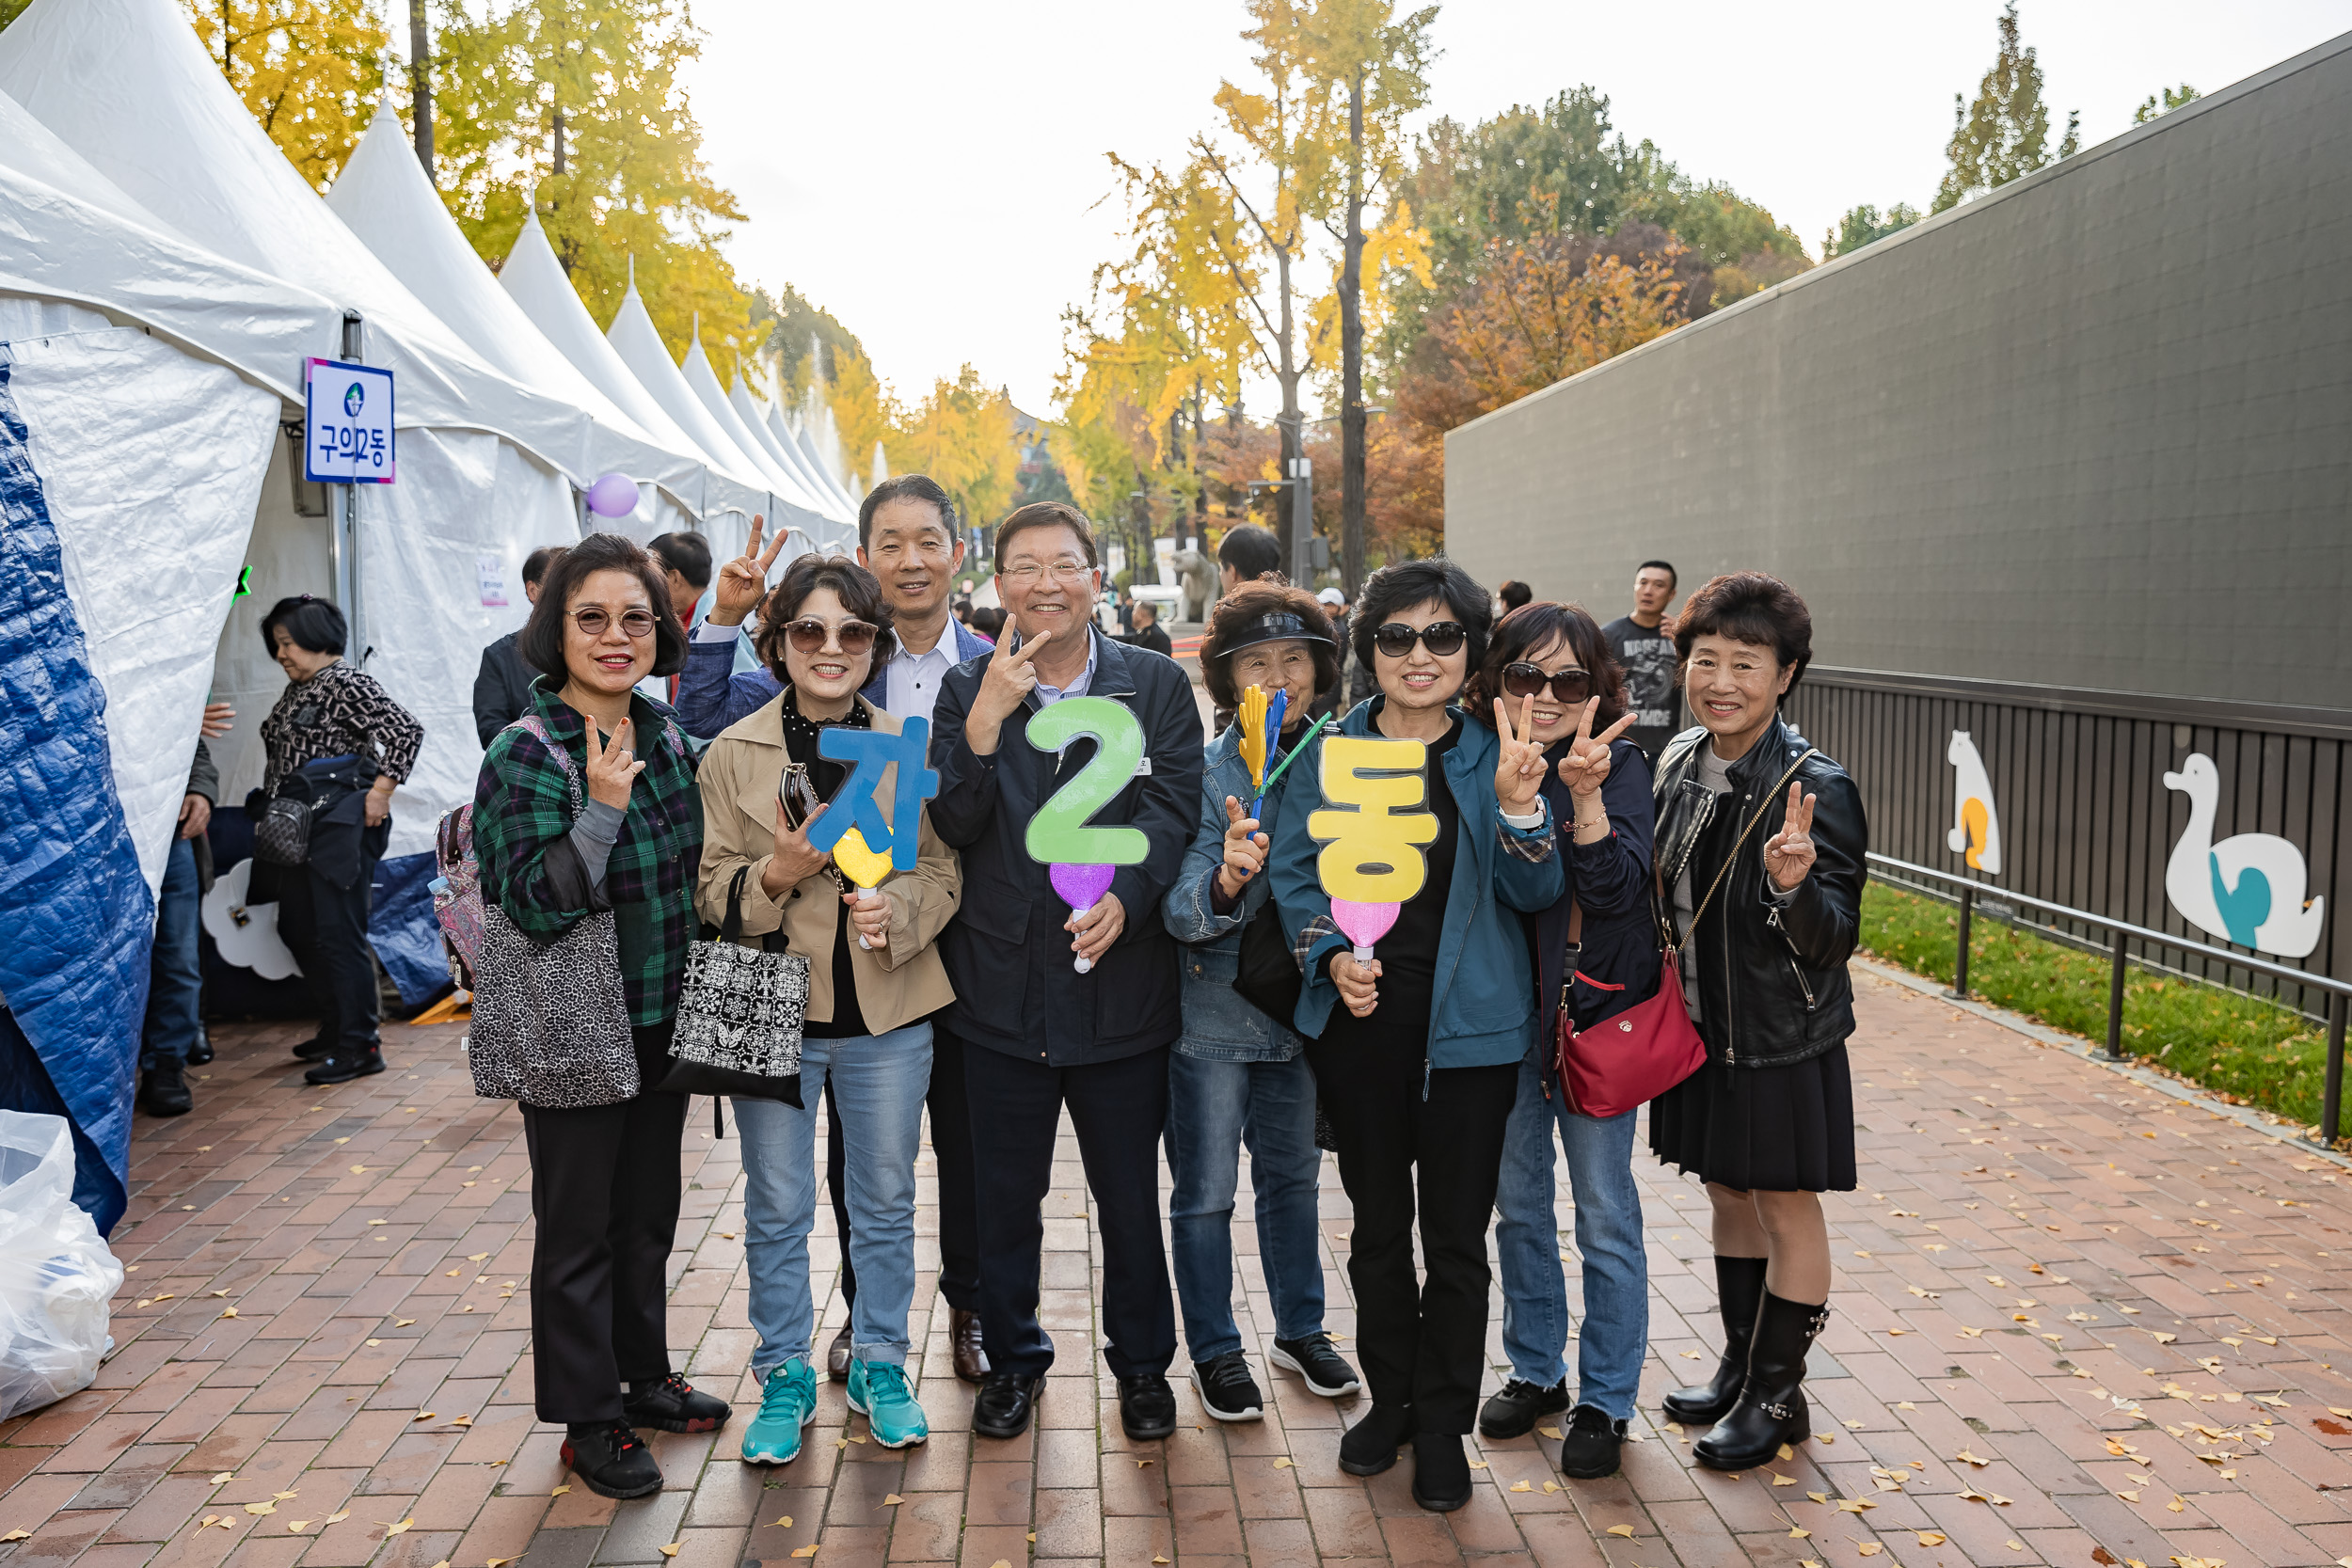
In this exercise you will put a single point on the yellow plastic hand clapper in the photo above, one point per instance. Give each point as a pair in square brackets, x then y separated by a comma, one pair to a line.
[1251, 718]
[1373, 855]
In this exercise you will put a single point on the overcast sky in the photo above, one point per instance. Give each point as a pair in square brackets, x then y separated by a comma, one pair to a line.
[934, 173]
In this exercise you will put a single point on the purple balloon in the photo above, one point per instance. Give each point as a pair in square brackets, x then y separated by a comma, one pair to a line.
[613, 496]
[1080, 886]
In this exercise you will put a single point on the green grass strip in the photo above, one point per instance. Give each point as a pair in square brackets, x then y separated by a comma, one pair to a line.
[2241, 1049]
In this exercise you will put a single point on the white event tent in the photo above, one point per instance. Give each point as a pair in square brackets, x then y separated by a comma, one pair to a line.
[141, 381]
[383, 195]
[126, 84]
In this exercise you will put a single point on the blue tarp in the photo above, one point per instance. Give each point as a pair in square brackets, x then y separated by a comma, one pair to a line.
[403, 930]
[77, 918]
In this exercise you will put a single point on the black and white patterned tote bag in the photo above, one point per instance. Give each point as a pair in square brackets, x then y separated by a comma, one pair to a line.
[740, 1015]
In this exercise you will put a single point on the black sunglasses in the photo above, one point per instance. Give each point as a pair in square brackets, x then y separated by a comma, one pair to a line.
[1523, 680]
[1395, 639]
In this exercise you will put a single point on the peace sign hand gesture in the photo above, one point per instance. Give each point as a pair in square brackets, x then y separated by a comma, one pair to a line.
[1788, 853]
[1008, 679]
[611, 768]
[1519, 773]
[743, 582]
[1585, 767]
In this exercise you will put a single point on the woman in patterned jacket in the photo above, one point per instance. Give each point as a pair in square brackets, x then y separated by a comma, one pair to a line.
[588, 803]
[335, 742]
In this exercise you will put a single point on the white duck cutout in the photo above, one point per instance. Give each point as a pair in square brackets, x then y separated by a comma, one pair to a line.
[1976, 826]
[2248, 888]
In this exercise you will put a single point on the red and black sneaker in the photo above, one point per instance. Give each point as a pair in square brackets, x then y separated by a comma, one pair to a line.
[612, 1460]
[674, 1404]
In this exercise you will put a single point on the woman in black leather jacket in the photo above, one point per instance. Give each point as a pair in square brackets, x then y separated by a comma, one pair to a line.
[1767, 1122]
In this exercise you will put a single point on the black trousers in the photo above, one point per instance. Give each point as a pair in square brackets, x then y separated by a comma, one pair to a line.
[604, 1191]
[951, 1156]
[1118, 1108]
[1424, 1344]
[325, 928]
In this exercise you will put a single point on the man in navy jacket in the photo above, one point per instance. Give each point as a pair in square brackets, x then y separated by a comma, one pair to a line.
[1035, 1034]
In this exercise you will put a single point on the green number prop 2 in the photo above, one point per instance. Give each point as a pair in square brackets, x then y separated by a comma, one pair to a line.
[1372, 854]
[1059, 833]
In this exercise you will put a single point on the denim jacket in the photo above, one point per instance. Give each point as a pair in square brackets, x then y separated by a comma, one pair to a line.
[1220, 1026]
[1483, 1010]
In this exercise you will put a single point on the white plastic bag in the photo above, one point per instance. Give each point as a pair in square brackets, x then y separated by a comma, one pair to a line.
[57, 1277]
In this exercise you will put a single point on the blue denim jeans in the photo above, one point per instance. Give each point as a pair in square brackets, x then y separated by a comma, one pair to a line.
[1213, 1108]
[878, 1081]
[1615, 1331]
[175, 987]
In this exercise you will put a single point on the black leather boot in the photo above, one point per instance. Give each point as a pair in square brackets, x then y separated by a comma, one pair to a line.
[1739, 1286]
[1770, 1409]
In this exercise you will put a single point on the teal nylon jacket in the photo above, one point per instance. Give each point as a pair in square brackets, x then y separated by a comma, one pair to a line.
[1483, 1012]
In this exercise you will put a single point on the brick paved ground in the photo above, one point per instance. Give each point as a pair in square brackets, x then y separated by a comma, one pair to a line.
[2124, 1307]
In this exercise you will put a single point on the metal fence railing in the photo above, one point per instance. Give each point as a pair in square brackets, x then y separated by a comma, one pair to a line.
[2122, 933]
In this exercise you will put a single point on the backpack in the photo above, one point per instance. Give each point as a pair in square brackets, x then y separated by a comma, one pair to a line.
[457, 891]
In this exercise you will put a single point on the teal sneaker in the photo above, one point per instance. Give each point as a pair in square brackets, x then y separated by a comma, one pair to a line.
[879, 1393]
[788, 1403]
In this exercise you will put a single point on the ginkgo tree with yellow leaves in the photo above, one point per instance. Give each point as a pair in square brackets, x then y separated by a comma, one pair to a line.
[577, 106]
[310, 71]
[1215, 288]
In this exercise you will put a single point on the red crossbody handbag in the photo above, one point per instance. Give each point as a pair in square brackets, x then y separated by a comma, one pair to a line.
[1627, 1060]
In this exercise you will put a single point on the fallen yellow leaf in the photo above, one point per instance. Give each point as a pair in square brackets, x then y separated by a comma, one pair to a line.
[1282, 1465]
[27, 1535]
[567, 1486]
[390, 1530]
[892, 1500]
[296, 1527]
[782, 1523]
[281, 1496]
[1869, 1548]
[403, 1323]
[1625, 1530]
[1787, 1452]
[671, 1550]
[1526, 1486]
[225, 1475]
[338, 1518]
[1930, 1538]
[421, 1416]
[259, 1509]
[1968, 1458]
[810, 1551]
[1779, 1479]
[476, 1257]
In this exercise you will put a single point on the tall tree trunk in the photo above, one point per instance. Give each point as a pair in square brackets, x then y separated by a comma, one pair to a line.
[1352, 352]
[558, 170]
[224, 43]
[421, 83]
[1293, 434]
[1200, 484]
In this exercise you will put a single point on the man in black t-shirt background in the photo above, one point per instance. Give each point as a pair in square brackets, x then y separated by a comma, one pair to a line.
[1643, 643]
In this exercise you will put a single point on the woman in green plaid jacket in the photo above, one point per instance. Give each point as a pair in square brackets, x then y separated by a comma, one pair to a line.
[605, 1181]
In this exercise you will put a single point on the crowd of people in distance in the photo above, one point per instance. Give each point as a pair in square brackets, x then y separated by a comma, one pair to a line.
[655, 748]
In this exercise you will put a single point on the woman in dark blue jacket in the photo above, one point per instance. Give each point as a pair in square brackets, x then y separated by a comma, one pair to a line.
[1596, 952]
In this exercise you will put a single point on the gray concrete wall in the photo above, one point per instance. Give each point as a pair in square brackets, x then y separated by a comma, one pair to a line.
[2092, 431]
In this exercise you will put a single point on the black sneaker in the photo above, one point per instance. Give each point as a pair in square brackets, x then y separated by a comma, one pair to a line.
[1146, 1406]
[314, 1050]
[163, 1090]
[674, 1404]
[1326, 1370]
[1589, 1452]
[1513, 1410]
[612, 1460]
[342, 1067]
[1370, 1445]
[1227, 1390]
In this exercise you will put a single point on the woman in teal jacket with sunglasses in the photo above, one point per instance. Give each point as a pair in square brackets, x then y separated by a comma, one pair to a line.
[1416, 1052]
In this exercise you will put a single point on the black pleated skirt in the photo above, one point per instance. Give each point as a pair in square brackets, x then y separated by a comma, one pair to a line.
[1777, 1129]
